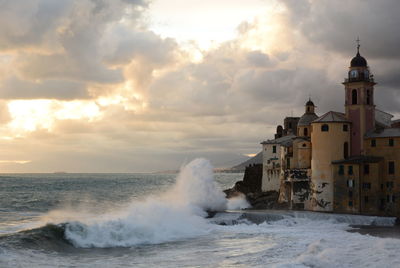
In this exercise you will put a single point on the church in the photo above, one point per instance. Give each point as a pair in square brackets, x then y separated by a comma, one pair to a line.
[343, 162]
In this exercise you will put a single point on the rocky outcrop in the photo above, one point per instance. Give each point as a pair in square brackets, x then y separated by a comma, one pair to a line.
[264, 200]
[250, 186]
[251, 182]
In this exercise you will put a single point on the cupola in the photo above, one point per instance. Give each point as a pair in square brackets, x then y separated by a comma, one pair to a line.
[359, 70]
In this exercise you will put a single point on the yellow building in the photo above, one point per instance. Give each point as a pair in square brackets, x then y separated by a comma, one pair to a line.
[330, 141]
[343, 162]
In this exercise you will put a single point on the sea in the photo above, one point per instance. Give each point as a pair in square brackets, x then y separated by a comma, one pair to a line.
[166, 220]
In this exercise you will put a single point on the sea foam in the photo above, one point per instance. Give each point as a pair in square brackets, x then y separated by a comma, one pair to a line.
[176, 214]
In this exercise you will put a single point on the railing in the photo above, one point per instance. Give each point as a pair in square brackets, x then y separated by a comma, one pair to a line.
[359, 79]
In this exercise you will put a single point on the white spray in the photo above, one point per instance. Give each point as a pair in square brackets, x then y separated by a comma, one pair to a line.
[177, 214]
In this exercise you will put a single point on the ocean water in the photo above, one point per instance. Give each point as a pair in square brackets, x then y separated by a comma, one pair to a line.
[161, 220]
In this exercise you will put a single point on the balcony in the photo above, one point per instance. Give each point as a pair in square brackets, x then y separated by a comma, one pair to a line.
[359, 79]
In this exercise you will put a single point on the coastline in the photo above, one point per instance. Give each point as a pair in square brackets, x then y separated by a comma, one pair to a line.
[377, 231]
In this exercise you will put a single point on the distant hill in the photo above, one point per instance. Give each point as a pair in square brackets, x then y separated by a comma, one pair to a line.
[257, 159]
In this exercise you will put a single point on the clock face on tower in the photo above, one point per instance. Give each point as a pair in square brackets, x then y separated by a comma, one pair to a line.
[353, 73]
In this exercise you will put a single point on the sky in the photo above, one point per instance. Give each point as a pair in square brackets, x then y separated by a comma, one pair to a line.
[141, 86]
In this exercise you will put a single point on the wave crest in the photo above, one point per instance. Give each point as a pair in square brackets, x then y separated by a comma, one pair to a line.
[177, 214]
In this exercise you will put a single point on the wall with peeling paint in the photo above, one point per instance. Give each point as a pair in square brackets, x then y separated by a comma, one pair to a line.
[326, 147]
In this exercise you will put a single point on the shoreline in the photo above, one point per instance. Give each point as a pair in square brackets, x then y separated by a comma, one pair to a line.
[377, 231]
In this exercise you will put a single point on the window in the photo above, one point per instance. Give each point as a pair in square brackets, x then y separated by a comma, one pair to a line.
[389, 184]
[290, 124]
[350, 194]
[341, 170]
[382, 205]
[345, 128]
[366, 185]
[350, 183]
[350, 203]
[325, 128]
[368, 98]
[366, 169]
[346, 150]
[274, 149]
[305, 132]
[354, 96]
[304, 145]
[373, 143]
[391, 167]
[308, 109]
[391, 142]
[350, 170]
[366, 199]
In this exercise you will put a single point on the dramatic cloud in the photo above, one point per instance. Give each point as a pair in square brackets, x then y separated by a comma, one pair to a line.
[94, 85]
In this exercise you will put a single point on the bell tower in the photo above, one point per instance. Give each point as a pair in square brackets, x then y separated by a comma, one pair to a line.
[359, 101]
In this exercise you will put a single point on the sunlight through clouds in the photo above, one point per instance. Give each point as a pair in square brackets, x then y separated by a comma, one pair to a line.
[151, 83]
[30, 115]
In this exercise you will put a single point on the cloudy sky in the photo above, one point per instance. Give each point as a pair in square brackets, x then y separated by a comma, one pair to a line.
[137, 85]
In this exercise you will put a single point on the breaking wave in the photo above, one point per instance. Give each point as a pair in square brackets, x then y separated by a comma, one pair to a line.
[176, 214]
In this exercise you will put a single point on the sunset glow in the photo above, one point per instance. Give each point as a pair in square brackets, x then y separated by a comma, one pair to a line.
[143, 79]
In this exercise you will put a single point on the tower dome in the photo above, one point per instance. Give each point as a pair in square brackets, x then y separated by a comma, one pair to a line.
[310, 103]
[358, 61]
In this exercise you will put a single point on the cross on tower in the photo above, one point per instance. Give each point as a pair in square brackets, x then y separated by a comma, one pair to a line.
[358, 44]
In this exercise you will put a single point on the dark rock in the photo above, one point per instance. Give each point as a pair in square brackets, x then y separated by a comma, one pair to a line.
[211, 214]
[253, 177]
[250, 186]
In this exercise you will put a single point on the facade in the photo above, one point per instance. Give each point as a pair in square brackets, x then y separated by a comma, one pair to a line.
[272, 163]
[339, 162]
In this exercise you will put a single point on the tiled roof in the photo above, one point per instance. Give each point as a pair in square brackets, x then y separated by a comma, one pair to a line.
[306, 119]
[331, 117]
[384, 133]
[282, 140]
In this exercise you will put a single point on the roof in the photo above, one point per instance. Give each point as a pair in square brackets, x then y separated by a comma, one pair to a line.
[359, 159]
[358, 61]
[302, 138]
[383, 133]
[310, 103]
[383, 118]
[285, 140]
[306, 119]
[331, 117]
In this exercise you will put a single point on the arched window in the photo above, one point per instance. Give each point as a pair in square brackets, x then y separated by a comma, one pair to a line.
[368, 97]
[305, 132]
[325, 128]
[354, 96]
[346, 150]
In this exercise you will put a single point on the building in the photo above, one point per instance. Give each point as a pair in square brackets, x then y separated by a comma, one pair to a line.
[338, 162]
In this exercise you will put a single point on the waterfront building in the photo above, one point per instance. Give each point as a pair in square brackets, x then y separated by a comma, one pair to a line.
[339, 162]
